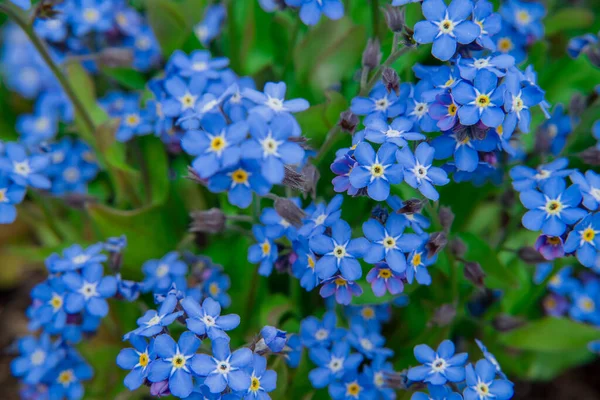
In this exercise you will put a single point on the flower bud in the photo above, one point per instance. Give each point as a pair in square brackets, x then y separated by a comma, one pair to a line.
[436, 243]
[411, 206]
[311, 178]
[289, 211]
[293, 179]
[348, 121]
[591, 156]
[457, 247]
[443, 316]
[394, 17]
[391, 80]
[371, 56]
[593, 54]
[530, 255]
[505, 323]
[209, 221]
[474, 273]
[159, 389]
[577, 105]
[446, 218]
[193, 176]
[115, 57]
[380, 214]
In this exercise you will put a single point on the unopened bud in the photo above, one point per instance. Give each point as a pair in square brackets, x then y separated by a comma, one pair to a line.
[380, 214]
[293, 179]
[443, 316]
[289, 211]
[78, 200]
[160, 389]
[530, 255]
[115, 57]
[505, 323]
[209, 221]
[407, 37]
[593, 54]
[348, 121]
[457, 247]
[474, 273]
[193, 176]
[591, 156]
[437, 241]
[577, 105]
[311, 178]
[543, 140]
[394, 17]
[391, 80]
[446, 218]
[371, 56]
[411, 206]
[301, 140]
[46, 9]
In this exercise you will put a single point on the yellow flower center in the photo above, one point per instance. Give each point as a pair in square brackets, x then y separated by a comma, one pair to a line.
[452, 109]
[132, 119]
[143, 361]
[385, 273]
[178, 361]
[3, 195]
[505, 45]
[340, 281]
[217, 144]
[66, 377]
[188, 101]
[239, 176]
[254, 384]
[449, 82]
[553, 207]
[588, 234]
[482, 389]
[482, 101]
[266, 248]
[214, 289]
[367, 313]
[523, 17]
[587, 304]
[352, 389]
[550, 303]
[56, 302]
[416, 260]
[377, 170]
[311, 262]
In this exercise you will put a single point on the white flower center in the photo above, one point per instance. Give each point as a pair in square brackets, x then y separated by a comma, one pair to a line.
[143, 43]
[188, 101]
[336, 364]
[209, 321]
[439, 365]
[542, 174]
[321, 334]
[154, 320]
[91, 15]
[420, 110]
[446, 26]
[162, 270]
[420, 171]
[200, 66]
[366, 344]
[270, 146]
[37, 357]
[223, 367]
[88, 290]
[382, 104]
[22, 168]
[71, 174]
[481, 63]
[320, 220]
[80, 259]
[339, 251]
[595, 192]
[42, 123]
[275, 104]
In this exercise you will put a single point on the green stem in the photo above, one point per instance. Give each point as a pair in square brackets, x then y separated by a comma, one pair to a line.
[41, 47]
[375, 17]
[396, 53]
[329, 140]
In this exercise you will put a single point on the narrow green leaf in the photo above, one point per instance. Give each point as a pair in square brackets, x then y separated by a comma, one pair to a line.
[568, 18]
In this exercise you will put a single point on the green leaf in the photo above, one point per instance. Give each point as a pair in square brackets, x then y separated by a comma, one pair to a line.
[169, 23]
[568, 18]
[156, 169]
[126, 77]
[329, 53]
[551, 334]
[497, 275]
[317, 120]
[85, 91]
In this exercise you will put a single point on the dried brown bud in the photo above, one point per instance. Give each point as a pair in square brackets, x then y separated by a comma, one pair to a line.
[577, 105]
[411, 206]
[301, 140]
[293, 179]
[46, 9]
[407, 37]
[530, 255]
[394, 17]
[371, 56]
[311, 178]
[348, 121]
[457, 247]
[193, 176]
[209, 221]
[593, 54]
[391, 80]
[114, 57]
[436, 243]
[544, 138]
[474, 273]
[591, 156]
[443, 316]
[289, 211]
[446, 218]
[78, 200]
[505, 323]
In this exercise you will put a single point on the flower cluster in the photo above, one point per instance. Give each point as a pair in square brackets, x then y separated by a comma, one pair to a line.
[310, 11]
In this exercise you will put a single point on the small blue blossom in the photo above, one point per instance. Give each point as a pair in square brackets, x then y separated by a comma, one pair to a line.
[89, 290]
[552, 209]
[137, 360]
[368, 343]
[25, 170]
[563, 282]
[378, 130]
[417, 263]
[72, 166]
[91, 15]
[153, 322]
[199, 62]
[181, 96]
[490, 357]
[526, 178]
[315, 333]
[489, 22]
[525, 17]
[423, 96]
[210, 26]
[324, 215]
[207, 320]
[376, 171]
[589, 185]
[175, 362]
[376, 373]
[311, 10]
[48, 312]
[239, 182]
[352, 386]
[586, 302]
[75, 258]
[510, 42]
[343, 289]
[482, 385]
[465, 150]
[332, 364]
[585, 241]
[36, 358]
[480, 101]
[262, 381]
[446, 26]
[558, 127]
[384, 279]
[380, 103]
[418, 171]
[272, 101]
[264, 252]
[517, 102]
[11, 194]
[38, 127]
[224, 369]
[437, 392]
[161, 274]
[439, 366]
[66, 378]
[498, 65]
[274, 338]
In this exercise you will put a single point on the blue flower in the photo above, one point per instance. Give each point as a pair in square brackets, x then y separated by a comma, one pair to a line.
[210, 26]
[207, 320]
[446, 26]
[586, 303]
[489, 22]
[48, 311]
[378, 130]
[75, 258]
[91, 15]
[558, 127]
[322, 334]
[273, 338]
[380, 103]
[332, 364]
[589, 185]
[25, 170]
[352, 386]
[137, 360]
[465, 151]
[152, 322]
[311, 10]
[236, 106]
[510, 42]
[38, 127]
[271, 145]
[36, 358]
[525, 178]
[422, 98]
[490, 357]
[389, 243]
[498, 65]
[175, 362]
[239, 182]
[262, 381]
[417, 221]
[265, 251]
[563, 282]
[343, 289]
[383, 279]
[199, 62]
[517, 102]
[324, 215]
[368, 343]
[65, 379]
[552, 209]
[579, 44]
[294, 351]
[10, 195]
[181, 96]
[272, 101]
[72, 166]
[418, 171]
[437, 392]
[439, 366]
[482, 385]
[338, 252]
[161, 274]
[89, 290]
[480, 101]
[216, 146]
[525, 17]
[376, 171]
[216, 286]
[224, 369]
[443, 110]
[134, 122]
[375, 373]
[584, 239]
[417, 266]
